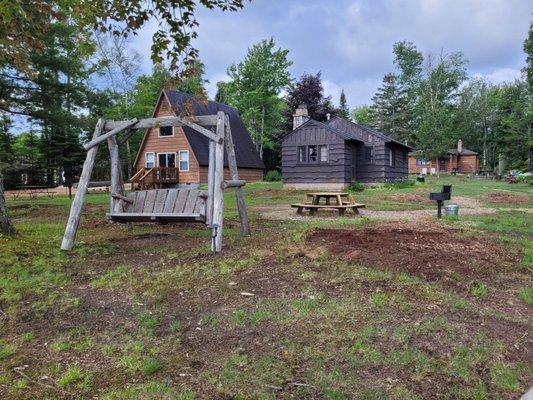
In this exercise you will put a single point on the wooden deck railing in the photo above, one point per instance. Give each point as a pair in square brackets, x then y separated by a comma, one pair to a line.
[150, 177]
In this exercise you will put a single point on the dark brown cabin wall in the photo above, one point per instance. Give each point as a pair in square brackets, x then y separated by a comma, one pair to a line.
[333, 171]
[400, 169]
[375, 171]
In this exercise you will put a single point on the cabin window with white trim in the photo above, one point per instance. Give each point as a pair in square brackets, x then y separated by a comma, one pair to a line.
[150, 160]
[184, 160]
[167, 160]
[313, 154]
[421, 161]
[166, 131]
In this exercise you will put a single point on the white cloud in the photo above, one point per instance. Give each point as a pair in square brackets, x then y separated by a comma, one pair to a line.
[501, 75]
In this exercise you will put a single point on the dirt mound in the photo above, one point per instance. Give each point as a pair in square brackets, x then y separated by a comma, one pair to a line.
[507, 197]
[434, 254]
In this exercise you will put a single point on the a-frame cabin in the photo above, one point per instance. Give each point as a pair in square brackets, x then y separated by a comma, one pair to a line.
[176, 156]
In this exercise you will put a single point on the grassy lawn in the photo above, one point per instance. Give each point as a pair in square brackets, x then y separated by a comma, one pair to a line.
[353, 308]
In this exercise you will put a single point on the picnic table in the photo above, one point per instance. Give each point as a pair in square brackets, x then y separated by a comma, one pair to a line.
[342, 201]
[32, 191]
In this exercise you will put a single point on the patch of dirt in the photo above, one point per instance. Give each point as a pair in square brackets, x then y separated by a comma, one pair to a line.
[432, 253]
[507, 197]
[405, 198]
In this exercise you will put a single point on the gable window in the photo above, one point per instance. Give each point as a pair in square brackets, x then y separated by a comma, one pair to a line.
[312, 152]
[184, 160]
[150, 160]
[369, 155]
[392, 157]
[166, 131]
[302, 154]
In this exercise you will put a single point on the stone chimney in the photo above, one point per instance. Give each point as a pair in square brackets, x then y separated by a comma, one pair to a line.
[460, 146]
[300, 116]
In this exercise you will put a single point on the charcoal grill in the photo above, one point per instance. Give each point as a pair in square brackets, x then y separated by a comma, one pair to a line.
[440, 197]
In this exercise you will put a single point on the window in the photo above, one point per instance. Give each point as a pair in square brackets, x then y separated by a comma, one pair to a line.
[166, 160]
[369, 155]
[323, 153]
[421, 161]
[166, 131]
[302, 154]
[184, 160]
[150, 160]
[312, 152]
[392, 157]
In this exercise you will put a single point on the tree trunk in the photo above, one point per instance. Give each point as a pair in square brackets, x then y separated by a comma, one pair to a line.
[5, 223]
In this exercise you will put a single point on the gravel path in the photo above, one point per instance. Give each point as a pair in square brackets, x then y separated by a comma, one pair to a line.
[285, 212]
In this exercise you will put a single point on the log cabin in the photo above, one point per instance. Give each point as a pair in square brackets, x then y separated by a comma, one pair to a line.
[177, 156]
[457, 160]
[331, 155]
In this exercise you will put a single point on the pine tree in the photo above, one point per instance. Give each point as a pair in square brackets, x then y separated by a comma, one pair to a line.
[343, 112]
[389, 109]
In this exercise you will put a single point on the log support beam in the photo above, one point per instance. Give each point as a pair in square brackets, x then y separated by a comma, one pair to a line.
[234, 173]
[77, 205]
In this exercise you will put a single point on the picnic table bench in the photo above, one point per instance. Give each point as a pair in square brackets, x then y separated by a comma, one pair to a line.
[342, 202]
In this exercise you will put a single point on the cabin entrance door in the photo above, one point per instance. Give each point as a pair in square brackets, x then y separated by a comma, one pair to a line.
[167, 164]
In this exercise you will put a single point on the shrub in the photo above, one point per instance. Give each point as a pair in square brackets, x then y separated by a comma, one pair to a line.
[525, 179]
[400, 184]
[272, 176]
[356, 187]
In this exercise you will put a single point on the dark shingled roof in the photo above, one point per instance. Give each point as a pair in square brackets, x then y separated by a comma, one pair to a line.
[245, 151]
[345, 135]
[355, 131]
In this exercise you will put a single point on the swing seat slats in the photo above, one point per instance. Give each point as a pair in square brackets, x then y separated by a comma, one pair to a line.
[162, 205]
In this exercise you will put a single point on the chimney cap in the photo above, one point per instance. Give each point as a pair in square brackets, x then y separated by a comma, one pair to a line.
[301, 110]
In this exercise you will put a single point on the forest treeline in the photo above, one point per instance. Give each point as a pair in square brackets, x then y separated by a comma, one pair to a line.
[57, 81]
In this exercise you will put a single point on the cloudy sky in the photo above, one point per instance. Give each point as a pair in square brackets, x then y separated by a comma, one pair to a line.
[350, 42]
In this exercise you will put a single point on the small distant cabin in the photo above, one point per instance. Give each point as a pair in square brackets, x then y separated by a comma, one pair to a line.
[176, 156]
[332, 154]
[457, 160]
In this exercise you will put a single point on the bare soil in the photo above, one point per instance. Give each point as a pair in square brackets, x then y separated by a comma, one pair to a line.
[506, 197]
[436, 254]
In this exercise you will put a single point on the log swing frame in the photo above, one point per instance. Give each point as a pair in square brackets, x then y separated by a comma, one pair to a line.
[219, 141]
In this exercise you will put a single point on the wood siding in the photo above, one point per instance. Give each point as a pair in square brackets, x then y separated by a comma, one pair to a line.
[168, 144]
[247, 174]
[335, 170]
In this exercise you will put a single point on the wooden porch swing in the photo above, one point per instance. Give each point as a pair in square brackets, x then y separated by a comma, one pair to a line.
[165, 205]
